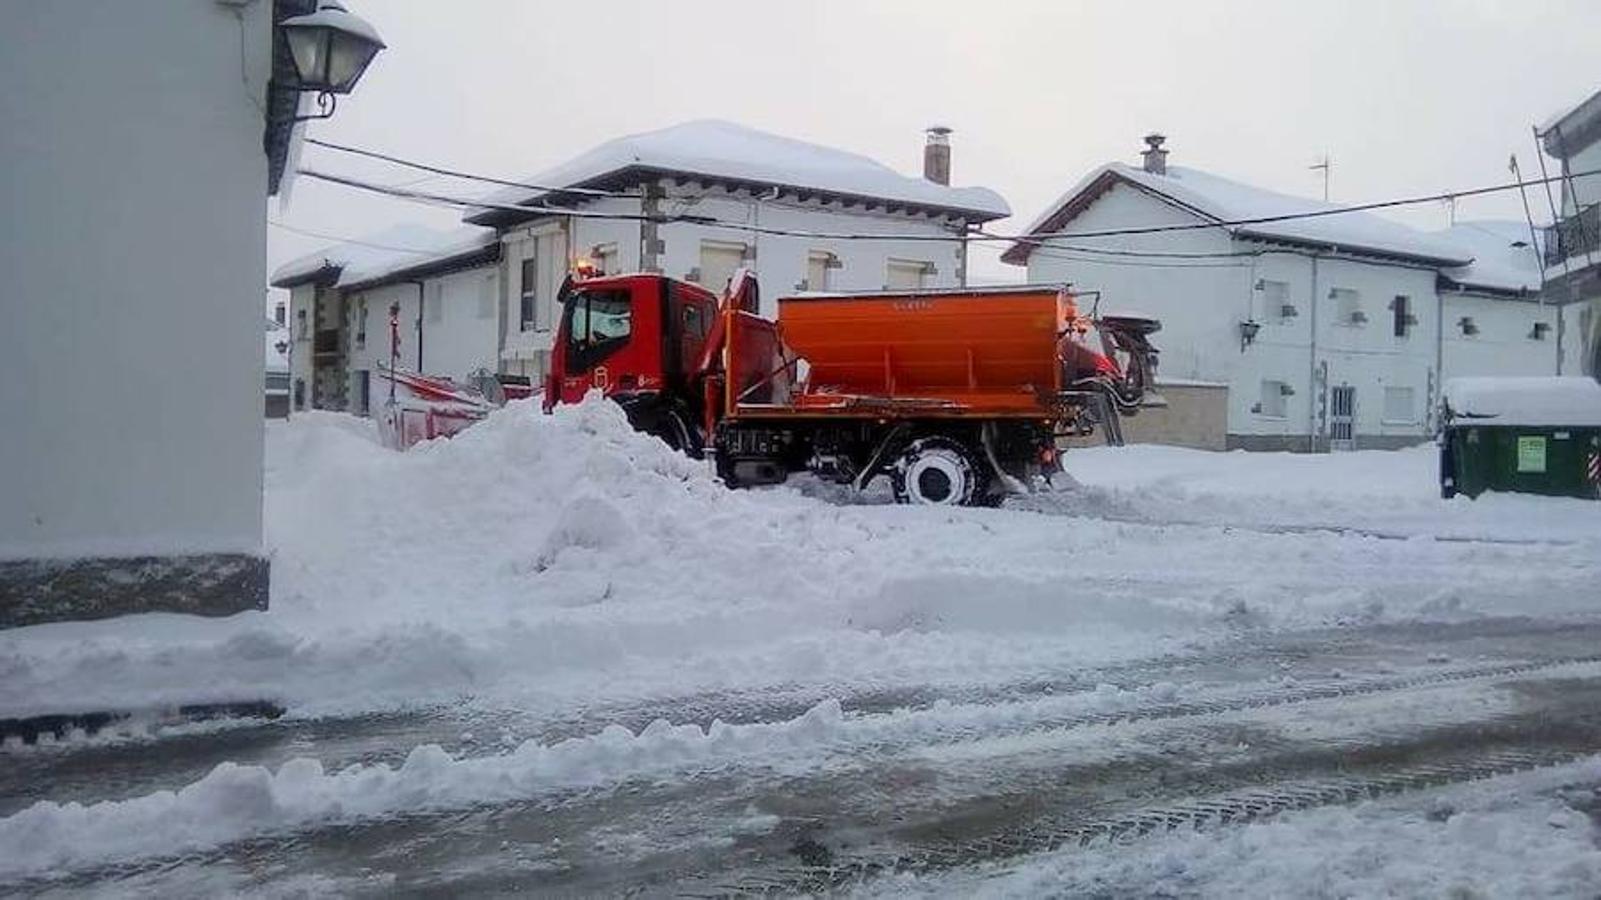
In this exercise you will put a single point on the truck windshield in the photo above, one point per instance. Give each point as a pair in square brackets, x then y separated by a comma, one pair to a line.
[598, 322]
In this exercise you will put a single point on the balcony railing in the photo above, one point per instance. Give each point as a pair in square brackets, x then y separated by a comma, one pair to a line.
[326, 342]
[1573, 236]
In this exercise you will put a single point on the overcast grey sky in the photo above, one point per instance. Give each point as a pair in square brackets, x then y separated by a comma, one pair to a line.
[1406, 97]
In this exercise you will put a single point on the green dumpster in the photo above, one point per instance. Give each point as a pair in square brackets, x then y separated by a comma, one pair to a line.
[1529, 435]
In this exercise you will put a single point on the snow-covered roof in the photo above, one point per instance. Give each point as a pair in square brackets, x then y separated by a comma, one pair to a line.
[1504, 259]
[382, 254]
[1580, 116]
[1574, 401]
[717, 149]
[1221, 199]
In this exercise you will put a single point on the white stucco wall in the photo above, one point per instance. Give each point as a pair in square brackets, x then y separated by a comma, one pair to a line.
[133, 242]
[780, 261]
[460, 341]
[1502, 345]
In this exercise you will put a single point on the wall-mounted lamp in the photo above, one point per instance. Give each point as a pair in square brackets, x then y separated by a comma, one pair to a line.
[330, 48]
[1248, 330]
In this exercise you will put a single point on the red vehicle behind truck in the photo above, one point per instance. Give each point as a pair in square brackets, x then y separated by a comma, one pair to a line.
[957, 395]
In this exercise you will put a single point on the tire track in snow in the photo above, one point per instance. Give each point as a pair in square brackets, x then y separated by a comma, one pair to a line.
[831, 771]
[1133, 803]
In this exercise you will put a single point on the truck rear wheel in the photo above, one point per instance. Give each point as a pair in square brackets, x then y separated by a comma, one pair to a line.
[938, 471]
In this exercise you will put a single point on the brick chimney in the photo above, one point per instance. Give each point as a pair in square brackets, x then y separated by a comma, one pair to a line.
[937, 155]
[1154, 157]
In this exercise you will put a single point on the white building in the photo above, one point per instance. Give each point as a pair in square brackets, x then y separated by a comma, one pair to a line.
[741, 185]
[139, 145]
[443, 287]
[488, 290]
[1573, 244]
[1329, 331]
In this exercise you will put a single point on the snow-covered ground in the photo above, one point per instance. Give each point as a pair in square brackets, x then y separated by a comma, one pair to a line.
[563, 565]
[566, 559]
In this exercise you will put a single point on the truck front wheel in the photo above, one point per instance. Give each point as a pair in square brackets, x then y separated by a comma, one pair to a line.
[937, 471]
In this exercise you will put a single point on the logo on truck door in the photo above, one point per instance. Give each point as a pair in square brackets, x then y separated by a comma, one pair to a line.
[602, 377]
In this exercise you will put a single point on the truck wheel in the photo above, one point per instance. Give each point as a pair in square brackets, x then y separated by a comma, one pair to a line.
[937, 471]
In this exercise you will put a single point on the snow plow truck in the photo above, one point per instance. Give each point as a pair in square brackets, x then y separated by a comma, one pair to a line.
[957, 395]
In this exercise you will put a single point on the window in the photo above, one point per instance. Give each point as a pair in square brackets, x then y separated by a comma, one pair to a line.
[436, 303]
[530, 292]
[1399, 407]
[302, 329]
[907, 274]
[600, 323]
[1468, 327]
[1539, 331]
[361, 322]
[1276, 305]
[719, 260]
[278, 313]
[694, 322]
[819, 270]
[1274, 402]
[486, 297]
[1401, 308]
[1347, 306]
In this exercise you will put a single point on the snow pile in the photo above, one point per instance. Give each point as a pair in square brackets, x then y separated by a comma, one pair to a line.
[1512, 836]
[724, 149]
[1368, 493]
[235, 801]
[1569, 400]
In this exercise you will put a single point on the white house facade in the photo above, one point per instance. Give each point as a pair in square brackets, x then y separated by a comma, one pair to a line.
[443, 288]
[140, 144]
[699, 200]
[696, 201]
[1329, 331]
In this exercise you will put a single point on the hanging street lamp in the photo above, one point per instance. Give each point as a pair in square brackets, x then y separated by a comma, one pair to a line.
[330, 48]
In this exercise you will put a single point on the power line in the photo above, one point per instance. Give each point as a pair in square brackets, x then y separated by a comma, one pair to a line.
[446, 199]
[346, 240]
[456, 173]
[1139, 254]
[707, 221]
[1034, 238]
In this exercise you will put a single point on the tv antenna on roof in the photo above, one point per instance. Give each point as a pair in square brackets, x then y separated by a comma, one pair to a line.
[1327, 165]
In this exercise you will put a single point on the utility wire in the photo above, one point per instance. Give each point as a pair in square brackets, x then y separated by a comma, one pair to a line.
[346, 240]
[430, 197]
[1034, 238]
[456, 173]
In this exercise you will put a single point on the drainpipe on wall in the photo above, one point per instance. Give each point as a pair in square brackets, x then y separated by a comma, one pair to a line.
[1311, 374]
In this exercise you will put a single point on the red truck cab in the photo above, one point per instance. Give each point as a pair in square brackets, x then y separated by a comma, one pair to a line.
[636, 338]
